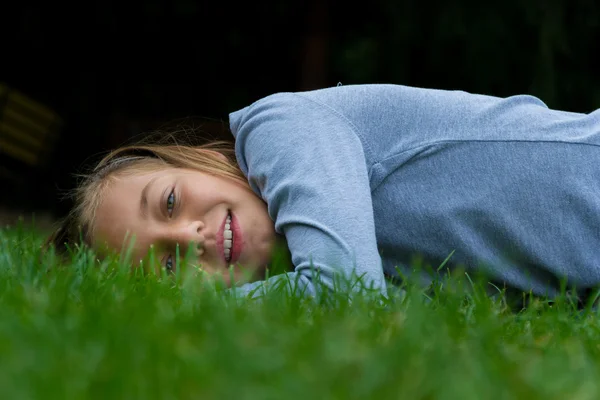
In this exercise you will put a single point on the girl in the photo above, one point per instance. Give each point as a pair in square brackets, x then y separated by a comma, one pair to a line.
[358, 180]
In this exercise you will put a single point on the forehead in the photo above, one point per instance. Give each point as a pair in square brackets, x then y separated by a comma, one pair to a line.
[118, 213]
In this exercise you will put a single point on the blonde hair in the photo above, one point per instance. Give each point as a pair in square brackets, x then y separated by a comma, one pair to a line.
[167, 152]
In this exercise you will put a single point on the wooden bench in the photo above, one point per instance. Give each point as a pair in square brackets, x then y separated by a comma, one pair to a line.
[28, 131]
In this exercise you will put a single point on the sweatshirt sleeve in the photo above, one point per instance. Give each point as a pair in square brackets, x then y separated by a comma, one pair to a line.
[307, 163]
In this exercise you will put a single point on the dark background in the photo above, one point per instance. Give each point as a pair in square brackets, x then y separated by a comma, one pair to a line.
[113, 69]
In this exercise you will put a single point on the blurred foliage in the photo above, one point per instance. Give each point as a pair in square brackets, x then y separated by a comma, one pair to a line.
[177, 57]
[544, 48]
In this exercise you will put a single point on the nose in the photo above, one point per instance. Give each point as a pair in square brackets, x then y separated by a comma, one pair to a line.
[185, 234]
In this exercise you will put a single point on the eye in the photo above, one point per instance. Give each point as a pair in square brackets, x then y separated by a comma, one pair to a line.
[169, 264]
[171, 203]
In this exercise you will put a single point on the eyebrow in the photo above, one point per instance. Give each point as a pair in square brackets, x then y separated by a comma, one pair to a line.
[144, 198]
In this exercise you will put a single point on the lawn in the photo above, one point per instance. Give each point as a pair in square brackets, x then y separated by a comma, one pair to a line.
[90, 330]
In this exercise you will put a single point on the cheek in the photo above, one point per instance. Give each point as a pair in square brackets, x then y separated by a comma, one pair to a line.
[197, 194]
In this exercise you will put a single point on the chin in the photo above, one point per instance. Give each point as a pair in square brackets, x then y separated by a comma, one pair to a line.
[239, 278]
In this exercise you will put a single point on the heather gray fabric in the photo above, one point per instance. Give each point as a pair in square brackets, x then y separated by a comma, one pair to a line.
[373, 178]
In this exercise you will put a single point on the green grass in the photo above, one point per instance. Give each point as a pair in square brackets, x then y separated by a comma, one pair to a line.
[97, 331]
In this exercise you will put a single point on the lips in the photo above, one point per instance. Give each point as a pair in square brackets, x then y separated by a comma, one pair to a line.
[238, 239]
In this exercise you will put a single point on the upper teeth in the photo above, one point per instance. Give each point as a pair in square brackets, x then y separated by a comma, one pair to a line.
[228, 236]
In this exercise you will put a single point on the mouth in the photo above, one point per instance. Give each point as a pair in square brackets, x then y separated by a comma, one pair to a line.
[227, 239]
[230, 239]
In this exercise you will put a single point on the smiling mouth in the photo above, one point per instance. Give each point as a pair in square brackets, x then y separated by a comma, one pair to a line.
[228, 238]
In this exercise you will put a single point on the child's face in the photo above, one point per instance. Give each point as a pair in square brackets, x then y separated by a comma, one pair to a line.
[177, 206]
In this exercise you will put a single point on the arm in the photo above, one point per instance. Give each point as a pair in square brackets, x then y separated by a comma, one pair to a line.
[307, 163]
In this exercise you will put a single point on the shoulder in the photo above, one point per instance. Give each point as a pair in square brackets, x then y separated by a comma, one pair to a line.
[273, 107]
[325, 97]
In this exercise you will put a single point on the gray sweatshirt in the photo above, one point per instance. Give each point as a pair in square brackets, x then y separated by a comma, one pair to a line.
[368, 180]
